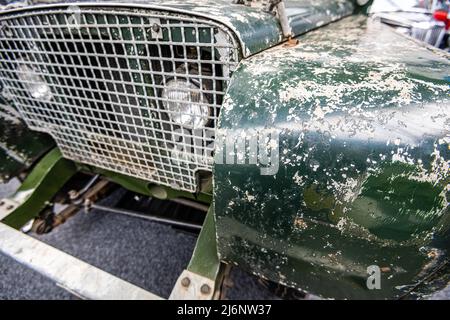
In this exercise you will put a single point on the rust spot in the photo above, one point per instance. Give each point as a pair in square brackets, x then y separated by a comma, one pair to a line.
[433, 254]
[300, 223]
[291, 42]
[333, 257]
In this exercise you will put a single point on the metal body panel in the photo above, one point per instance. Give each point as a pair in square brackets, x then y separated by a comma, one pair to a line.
[123, 124]
[43, 182]
[19, 146]
[306, 15]
[256, 30]
[74, 275]
[363, 120]
[362, 115]
[201, 280]
[204, 259]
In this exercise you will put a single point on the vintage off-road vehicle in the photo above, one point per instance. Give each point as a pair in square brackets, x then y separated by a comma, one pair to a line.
[315, 136]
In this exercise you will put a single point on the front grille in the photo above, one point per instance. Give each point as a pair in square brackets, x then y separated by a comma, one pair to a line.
[105, 70]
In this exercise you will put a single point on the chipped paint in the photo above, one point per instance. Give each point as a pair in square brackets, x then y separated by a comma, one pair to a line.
[19, 147]
[363, 115]
[256, 30]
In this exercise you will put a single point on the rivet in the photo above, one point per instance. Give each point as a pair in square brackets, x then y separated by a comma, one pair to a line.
[205, 289]
[10, 207]
[2, 203]
[156, 27]
[185, 282]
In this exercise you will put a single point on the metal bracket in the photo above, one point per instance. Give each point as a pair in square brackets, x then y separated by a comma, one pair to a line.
[43, 182]
[191, 286]
[282, 15]
[204, 273]
[156, 28]
[277, 7]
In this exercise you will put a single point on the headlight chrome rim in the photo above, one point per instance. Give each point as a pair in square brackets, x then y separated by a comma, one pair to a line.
[36, 86]
[185, 103]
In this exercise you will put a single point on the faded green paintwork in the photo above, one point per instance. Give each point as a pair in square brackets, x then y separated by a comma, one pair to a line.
[363, 176]
[255, 29]
[44, 181]
[305, 15]
[205, 260]
[363, 120]
[19, 147]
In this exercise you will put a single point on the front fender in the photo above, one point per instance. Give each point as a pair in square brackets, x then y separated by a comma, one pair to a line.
[360, 116]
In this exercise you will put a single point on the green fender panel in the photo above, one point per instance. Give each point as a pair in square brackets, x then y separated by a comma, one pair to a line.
[360, 120]
[19, 146]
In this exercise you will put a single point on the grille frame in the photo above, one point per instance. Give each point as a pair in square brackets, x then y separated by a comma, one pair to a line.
[142, 152]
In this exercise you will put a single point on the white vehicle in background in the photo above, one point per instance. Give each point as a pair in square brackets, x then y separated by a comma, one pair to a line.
[425, 20]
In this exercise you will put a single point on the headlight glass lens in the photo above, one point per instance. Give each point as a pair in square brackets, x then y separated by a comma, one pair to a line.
[185, 104]
[36, 86]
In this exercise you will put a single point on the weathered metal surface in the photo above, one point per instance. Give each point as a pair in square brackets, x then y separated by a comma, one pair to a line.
[44, 181]
[363, 179]
[305, 15]
[19, 146]
[145, 188]
[257, 30]
[203, 275]
[205, 259]
[80, 278]
[145, 149]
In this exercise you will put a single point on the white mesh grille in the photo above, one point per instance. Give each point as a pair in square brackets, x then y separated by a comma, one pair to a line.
[105, 71]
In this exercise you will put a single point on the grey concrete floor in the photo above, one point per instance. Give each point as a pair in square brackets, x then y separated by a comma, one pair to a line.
[147, 254]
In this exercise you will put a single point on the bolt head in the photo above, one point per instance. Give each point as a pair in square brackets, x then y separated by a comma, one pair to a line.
[205, 289]
[10, 207]
[73, 194]
[156, 27]
[2, 203]
[185, 282]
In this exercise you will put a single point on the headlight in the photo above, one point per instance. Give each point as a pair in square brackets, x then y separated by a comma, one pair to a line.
[34, 83]
[185, 104]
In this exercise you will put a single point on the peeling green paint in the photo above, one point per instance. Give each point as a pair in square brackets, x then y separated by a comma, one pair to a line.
[19, 147]
[363, 118]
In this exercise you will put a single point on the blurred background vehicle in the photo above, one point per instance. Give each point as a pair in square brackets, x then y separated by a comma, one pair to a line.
[425, 20]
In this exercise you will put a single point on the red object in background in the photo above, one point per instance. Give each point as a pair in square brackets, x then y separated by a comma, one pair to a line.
[443, 16]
